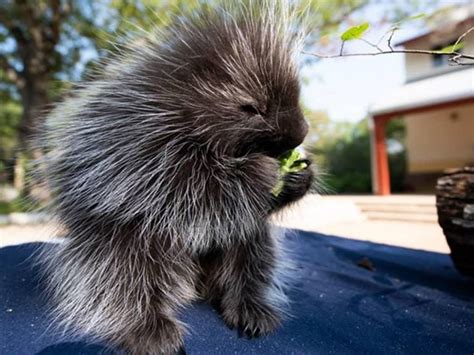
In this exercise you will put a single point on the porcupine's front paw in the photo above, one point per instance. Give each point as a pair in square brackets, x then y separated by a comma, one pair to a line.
[295, 185]
[298, 183]
[164, 338]
[252, 318]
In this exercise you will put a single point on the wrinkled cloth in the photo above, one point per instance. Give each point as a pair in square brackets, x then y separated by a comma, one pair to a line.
[346, 297]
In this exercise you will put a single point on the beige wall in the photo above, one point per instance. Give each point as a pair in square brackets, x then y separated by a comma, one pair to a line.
[418, 66]
[440, 139]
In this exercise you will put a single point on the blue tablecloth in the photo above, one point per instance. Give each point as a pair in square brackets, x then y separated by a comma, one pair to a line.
[412, 302]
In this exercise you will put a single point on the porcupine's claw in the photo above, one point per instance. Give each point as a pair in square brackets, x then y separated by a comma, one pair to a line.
[181, 351]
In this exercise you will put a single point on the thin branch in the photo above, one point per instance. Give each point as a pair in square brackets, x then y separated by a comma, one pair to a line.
[455, 57]
[376, 46]
[341, 52]
[413, 51]
[389, 41]
[463, 36]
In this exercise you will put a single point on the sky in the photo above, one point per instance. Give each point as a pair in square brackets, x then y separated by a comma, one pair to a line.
[345, 87]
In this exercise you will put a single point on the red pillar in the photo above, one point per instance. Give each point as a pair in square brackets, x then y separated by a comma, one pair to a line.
[382, 173]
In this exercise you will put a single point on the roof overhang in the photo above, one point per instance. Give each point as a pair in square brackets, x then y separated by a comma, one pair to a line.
[434, 91]
[455, 19]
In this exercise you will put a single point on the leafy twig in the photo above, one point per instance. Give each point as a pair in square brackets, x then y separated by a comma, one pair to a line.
[355, 33]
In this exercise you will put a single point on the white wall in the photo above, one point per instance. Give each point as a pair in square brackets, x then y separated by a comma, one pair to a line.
[440, 139]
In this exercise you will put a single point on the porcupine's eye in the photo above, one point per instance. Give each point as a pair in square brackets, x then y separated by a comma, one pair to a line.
[250, 109]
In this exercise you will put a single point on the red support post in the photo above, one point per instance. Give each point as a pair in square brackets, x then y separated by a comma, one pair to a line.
[382, 173]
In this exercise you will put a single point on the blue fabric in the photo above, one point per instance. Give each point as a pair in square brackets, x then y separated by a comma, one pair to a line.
[413, 302]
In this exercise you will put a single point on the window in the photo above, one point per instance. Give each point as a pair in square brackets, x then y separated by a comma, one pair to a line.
[439, 60]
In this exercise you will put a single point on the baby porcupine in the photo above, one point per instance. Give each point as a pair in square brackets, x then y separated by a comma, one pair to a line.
[161, 171]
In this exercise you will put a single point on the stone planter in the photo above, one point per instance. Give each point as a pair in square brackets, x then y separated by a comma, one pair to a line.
[455, 205]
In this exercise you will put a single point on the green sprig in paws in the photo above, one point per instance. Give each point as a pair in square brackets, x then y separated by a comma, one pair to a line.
[289, 163]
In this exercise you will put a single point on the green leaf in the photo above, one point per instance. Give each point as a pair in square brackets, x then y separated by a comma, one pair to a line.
[287, 160]
[406, 19]
[288, 164]
[298, 167]
[355, 32]
[452, 48]
[416, 17]
[276, 191]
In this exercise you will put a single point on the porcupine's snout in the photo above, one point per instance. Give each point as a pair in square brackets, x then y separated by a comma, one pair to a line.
[295, 132]
[292, 130]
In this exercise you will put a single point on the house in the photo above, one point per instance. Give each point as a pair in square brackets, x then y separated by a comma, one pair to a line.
[437, 104]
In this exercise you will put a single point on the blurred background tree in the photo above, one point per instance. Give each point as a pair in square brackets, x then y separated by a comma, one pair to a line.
[46, 45]
[40, 46]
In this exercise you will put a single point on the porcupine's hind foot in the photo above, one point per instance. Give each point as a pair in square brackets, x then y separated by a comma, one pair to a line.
[240, 284]
[164, 336]
[136, 310]
[252, 318]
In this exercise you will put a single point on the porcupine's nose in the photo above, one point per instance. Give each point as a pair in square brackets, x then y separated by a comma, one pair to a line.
[297, 133]
[293, 130]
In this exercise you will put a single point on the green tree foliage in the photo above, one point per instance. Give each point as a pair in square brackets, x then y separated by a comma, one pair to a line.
[35, 35]
[40, 45]
[10, 113]
[46, 44]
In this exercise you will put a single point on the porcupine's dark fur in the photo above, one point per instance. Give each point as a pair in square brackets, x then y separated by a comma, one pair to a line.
[162, 171]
